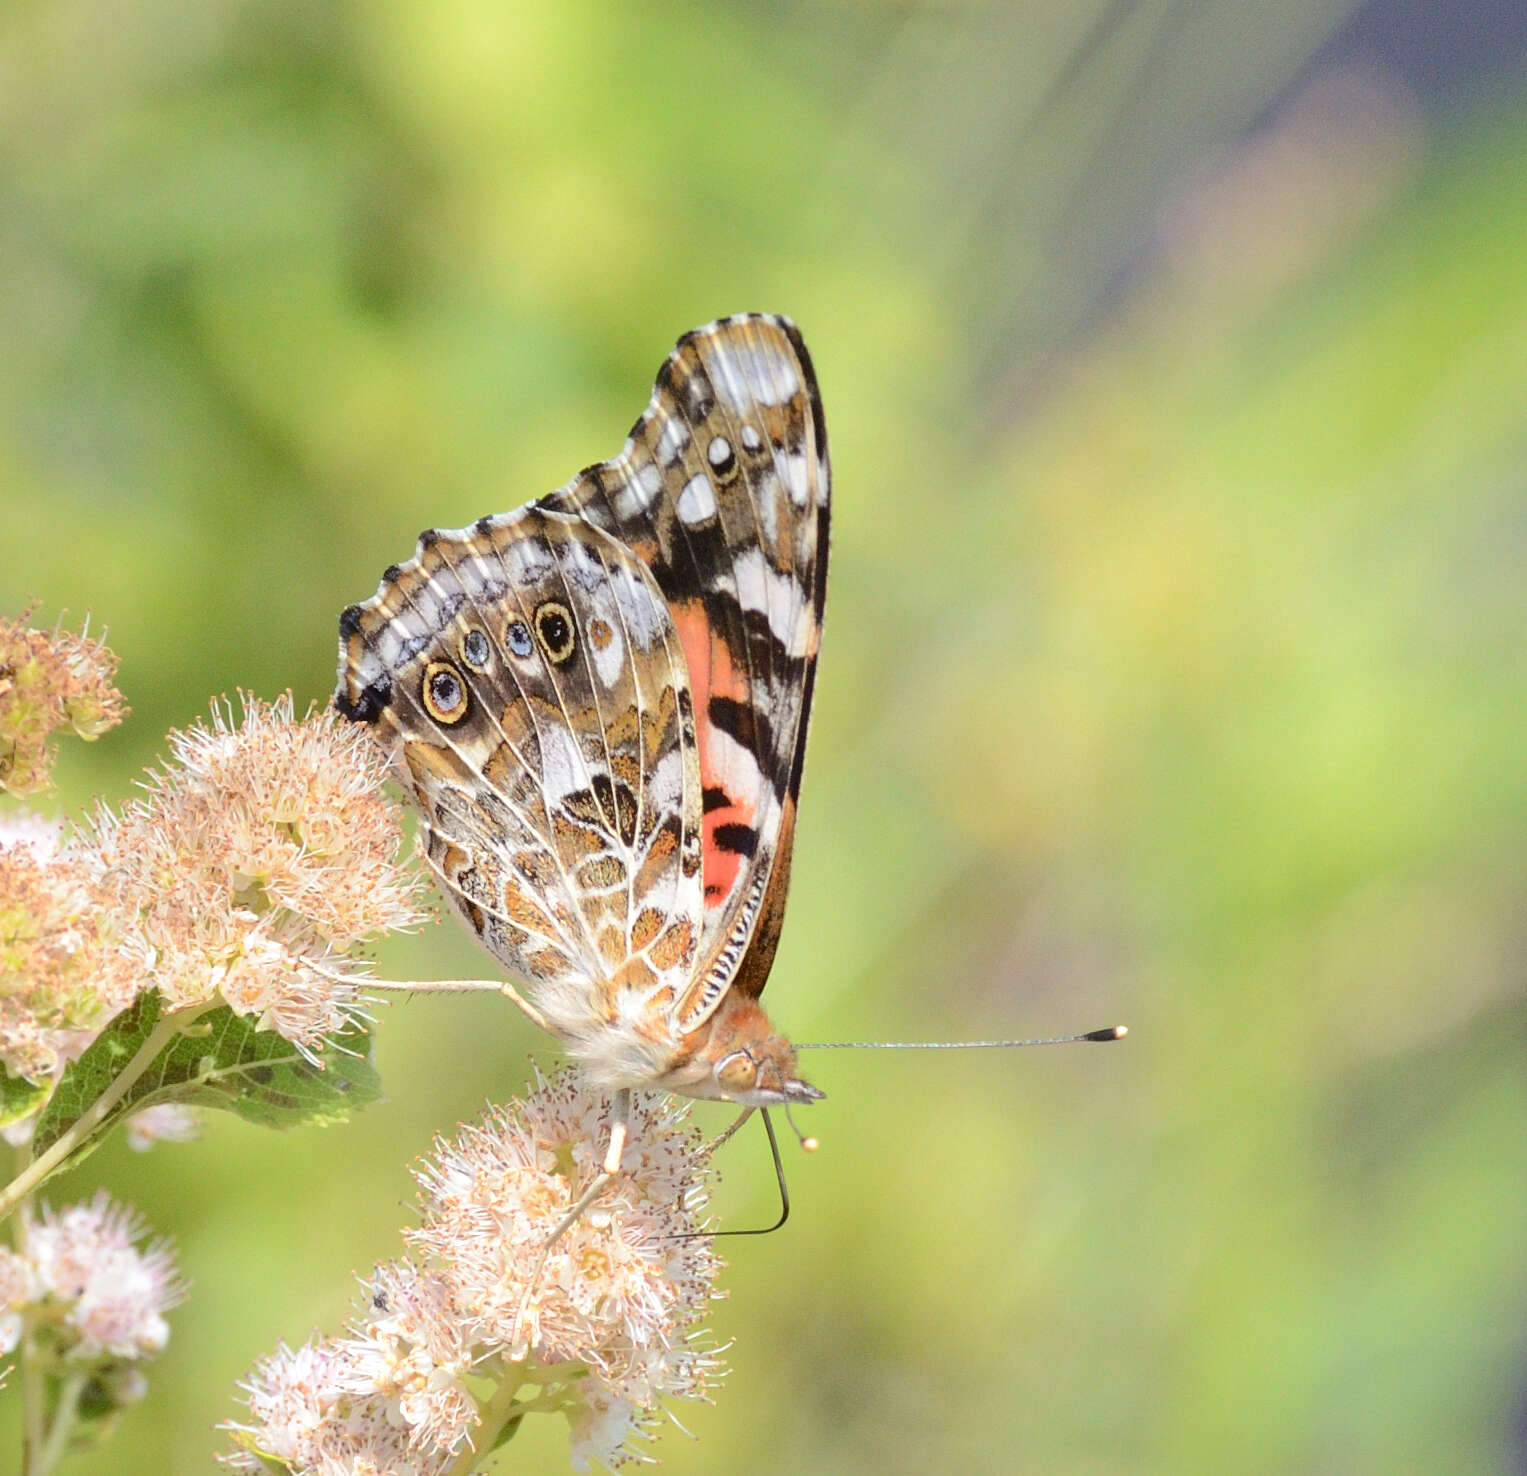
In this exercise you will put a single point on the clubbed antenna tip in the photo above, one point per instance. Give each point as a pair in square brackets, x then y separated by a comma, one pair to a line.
[1109, 1032]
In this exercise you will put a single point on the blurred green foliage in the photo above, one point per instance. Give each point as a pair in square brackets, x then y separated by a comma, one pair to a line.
[1174, 667]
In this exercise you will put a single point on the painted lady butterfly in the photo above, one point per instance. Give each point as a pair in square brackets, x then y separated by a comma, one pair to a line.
[599, 702]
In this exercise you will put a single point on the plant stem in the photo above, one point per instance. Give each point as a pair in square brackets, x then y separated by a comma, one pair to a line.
[79, 1132]
[32, 1423]
[495, 1415]
[63, 1424]
[32, 1391]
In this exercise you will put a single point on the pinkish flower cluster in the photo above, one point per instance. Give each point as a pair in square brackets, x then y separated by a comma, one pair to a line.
[50, 682]
[88, 1286]
[166, 1122]
[613, 1309]
[60, 977]
[622, 1289]
[256, 864]
[387, 1398]
[259, 859]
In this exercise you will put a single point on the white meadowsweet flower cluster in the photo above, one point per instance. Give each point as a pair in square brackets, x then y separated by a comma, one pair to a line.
[50, 682]
[622, 1290]
[256, 863]
[250, 872]
[15, 1296]
[60, 980]
[387, 1398]
[88, 1286]
[485, 1323]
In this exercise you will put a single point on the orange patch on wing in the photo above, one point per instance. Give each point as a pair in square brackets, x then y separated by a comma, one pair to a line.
[648, 924]
[722, 869]
[712, 673]
[675, 947]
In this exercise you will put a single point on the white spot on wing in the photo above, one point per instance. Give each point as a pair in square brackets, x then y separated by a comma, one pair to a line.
[665, 781]
[641, 612]
[562, 766]
[719, 452]
[731, 763]
[797, 479]
[637, 490]
[756, 375]
[672, 441]
[763, 588]
[369, 669]
[697, 502]
[611, 660]
[770, 504]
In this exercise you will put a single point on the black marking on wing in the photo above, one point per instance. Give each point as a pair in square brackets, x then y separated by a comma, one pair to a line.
[765, 648]
[369, 706]
[818, 419]
[740, 840]
[744, 723]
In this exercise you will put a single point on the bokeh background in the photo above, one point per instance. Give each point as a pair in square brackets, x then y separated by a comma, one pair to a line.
[1175, 360]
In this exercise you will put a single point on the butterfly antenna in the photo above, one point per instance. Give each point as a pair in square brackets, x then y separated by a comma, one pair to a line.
[807, 1142]
[1108, 1032]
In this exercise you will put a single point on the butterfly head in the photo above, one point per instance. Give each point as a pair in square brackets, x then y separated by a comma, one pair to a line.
[738, 1056]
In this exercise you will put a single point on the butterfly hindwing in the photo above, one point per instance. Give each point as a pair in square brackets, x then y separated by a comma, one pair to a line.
[531, 677]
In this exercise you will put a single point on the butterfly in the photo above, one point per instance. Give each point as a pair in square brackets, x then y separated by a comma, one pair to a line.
[599, 702]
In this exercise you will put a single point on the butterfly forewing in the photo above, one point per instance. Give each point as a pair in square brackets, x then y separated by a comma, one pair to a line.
[723, 488]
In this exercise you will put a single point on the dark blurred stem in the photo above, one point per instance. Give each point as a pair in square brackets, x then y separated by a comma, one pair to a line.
[63, 1424]
[31, 1375]
[31, 1405]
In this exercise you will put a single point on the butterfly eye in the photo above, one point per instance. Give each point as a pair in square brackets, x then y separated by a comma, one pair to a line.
[737, 1073]
[517, 638]
[445, 694]
[554, 625]
[474, 649]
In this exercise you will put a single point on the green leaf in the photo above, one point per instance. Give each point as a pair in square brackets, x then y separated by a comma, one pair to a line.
[510, 1430]
[218, 1060]
[19, 1097]
[246, 1440]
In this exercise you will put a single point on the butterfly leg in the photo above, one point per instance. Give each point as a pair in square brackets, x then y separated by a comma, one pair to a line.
[535, 1016]
[725, 1135]
[620, 1124]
